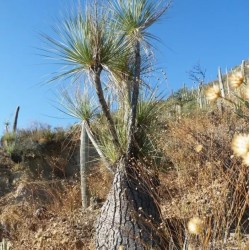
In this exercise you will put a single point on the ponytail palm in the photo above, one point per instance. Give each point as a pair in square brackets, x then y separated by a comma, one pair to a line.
[133, 18]
[81, 107]
[111, 45]
[88, 45]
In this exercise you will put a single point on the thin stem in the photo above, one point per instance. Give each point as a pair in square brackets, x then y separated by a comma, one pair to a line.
[97, 148]
[105, 108]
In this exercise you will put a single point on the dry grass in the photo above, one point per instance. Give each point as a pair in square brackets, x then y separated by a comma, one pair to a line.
[208, 181]
[54, 223]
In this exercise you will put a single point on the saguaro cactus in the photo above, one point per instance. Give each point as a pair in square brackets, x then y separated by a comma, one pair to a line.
[15, 120]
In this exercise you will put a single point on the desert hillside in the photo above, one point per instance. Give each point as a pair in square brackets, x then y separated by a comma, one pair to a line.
[200, 177]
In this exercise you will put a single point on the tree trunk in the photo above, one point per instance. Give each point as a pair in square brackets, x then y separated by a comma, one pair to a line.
[97, 148]
[130, 216]
[134, 101]
[105, 108]
[83, 166]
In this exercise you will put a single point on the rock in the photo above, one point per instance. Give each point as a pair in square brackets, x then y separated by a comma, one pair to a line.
[41, 213]
[22, 191]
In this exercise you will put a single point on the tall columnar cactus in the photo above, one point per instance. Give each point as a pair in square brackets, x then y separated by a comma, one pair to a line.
[15, 120]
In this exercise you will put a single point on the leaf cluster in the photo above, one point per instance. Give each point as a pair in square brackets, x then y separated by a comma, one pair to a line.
[99, 44]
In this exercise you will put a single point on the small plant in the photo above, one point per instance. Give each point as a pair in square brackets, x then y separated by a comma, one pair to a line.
[8, 141]
[9, 138]
[6, 124]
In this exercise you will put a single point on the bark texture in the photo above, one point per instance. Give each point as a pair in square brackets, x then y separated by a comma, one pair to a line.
[130, 216]
[134, 101]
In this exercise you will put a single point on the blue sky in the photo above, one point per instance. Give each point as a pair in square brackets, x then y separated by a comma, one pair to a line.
[213, 33]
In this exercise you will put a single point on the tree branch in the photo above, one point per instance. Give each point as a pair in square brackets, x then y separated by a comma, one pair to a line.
[105, 108]
[97, 148]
